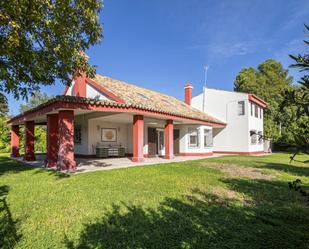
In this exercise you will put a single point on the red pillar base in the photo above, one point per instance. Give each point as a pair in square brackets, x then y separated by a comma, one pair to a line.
[29, 141]
[138, 138]
[66, 160]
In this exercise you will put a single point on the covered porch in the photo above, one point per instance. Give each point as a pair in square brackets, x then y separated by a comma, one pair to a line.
[77, 129]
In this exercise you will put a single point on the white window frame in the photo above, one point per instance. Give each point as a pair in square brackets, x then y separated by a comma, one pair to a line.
[241, 108]
[190, 131]
[253, 137]
[205, 140]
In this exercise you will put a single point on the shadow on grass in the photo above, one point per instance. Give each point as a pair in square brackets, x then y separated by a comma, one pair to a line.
[8, 232]
[8, 165]
[204, 220]
[288, 168]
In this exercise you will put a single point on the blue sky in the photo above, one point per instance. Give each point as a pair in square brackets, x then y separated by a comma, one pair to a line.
[162, 44]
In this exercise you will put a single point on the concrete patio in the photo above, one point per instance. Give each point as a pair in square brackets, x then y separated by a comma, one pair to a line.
[95, 164]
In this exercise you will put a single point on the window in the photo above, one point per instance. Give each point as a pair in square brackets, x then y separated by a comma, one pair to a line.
[208, 138]
[251, 105]
[241, 108]
[256, 111]
[77, 134]
[260, 135]
[253, 136]
[261, 113]
[193, 138]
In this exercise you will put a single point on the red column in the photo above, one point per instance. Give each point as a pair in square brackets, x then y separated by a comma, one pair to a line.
[52, 140]
[138, 138]
[15, 141]
[169, 139]
[29, 141]
[66, 141]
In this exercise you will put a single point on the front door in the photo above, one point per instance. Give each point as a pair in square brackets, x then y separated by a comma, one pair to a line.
[176, 142]
[160, 144]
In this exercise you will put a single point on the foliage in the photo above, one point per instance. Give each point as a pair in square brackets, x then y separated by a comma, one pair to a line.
[176, 205]
[4, 134]
[40, 41]
[3, 105]
[40, 130]
[268, 82]
[36, 99]
[298, 97]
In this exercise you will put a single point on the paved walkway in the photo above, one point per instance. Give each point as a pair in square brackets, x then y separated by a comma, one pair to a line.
[94, 164]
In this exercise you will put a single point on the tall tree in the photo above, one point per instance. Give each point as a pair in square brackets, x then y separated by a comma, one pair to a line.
[267, 81]
[40, 41]
[36, 99]
[298, 97]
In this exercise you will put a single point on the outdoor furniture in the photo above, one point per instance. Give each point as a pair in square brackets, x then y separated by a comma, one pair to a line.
[104, 152]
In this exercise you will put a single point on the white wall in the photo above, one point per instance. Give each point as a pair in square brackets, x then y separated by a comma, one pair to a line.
[255, 123]
[92, 93]
[184, 139]
[235, 137]
[94, 134]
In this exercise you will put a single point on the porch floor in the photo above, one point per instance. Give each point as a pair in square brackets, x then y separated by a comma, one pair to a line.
[94, 164]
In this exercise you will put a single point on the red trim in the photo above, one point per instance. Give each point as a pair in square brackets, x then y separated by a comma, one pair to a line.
[195, 154]
[240, 152]
[104, 91]
[138, 138]
[84, 106]
[253, 98]
[65, 90]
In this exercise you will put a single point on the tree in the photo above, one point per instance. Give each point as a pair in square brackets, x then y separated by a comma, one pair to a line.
[298, 97]
[4, 109]
[40, 41]
[268, 82]
[40, 130]
[36, 99]
[4, 134]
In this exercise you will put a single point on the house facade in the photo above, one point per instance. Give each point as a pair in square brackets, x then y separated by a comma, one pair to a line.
[243, 114]
[108, 114]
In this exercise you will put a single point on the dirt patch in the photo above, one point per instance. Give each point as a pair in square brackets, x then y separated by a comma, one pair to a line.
[238, 171]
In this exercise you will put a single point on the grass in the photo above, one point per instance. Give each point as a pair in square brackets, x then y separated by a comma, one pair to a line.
[192, 204]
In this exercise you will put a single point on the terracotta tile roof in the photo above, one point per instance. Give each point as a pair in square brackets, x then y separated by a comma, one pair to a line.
[139, 97]
[134, 97]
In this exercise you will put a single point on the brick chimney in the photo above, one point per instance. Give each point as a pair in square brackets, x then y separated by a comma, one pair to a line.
[188, 93]
[79, 88]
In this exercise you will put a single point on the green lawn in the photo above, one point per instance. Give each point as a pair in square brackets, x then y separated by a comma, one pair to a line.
[229, 202]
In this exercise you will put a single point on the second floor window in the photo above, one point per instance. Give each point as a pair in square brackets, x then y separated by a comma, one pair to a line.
[256, 111]
[241, 108]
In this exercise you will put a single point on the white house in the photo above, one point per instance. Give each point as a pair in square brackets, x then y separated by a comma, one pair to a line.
[107, 117]
[243, 115]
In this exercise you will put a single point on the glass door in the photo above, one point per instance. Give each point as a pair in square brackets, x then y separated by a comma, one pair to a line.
[161, 149]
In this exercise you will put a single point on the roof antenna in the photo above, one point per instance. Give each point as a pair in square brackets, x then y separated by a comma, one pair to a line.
[204, 87]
